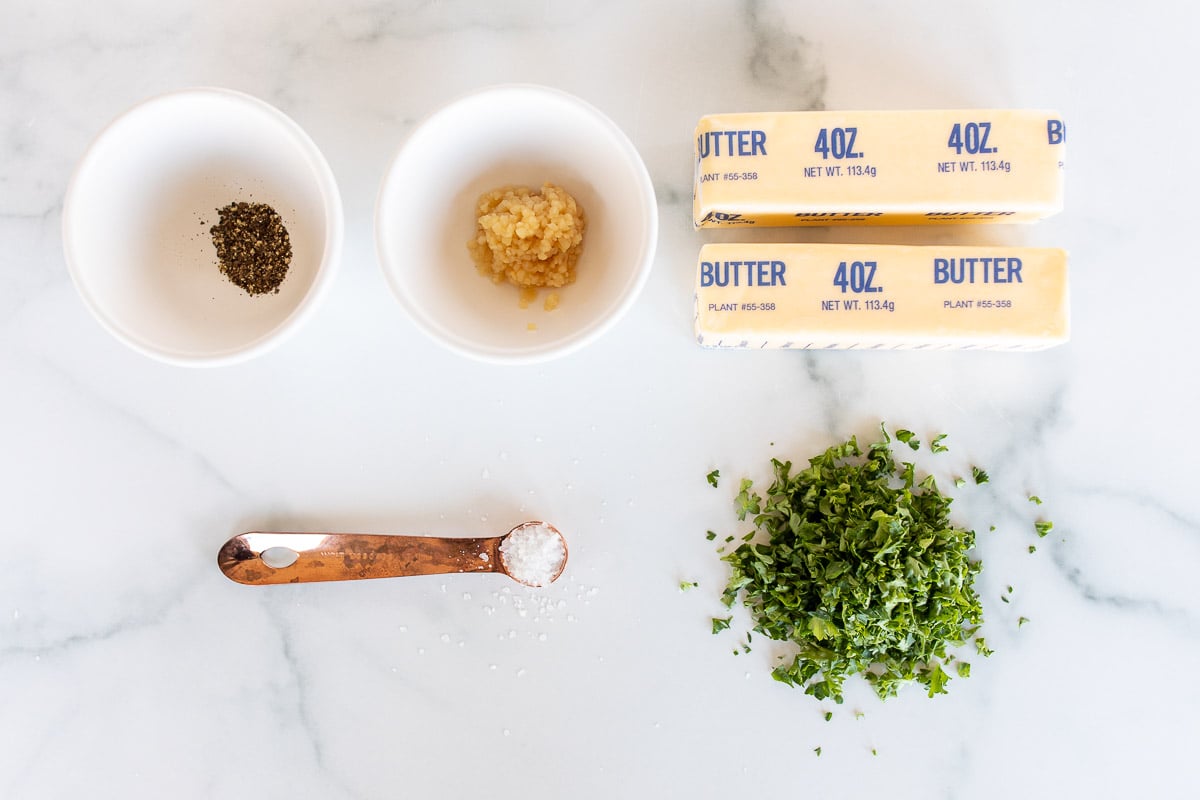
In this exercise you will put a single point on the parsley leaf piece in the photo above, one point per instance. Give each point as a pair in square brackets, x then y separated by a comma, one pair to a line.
[936, 445]
[685, 586]
[1021, 621]
[979, 475]
[964, 669]
[1043, 527]
[747, 501]
[859, 567]
[719, 624]
[710, 535]
[1033, 498]
[828, 716]
[909, 438]
[874, 752]
[1032, 549]
[937, 679]
[713, 477]
[1003, 599]
[982, 648]
[959, 483]
[817, 750]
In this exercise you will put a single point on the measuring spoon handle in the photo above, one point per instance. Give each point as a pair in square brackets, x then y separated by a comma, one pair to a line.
[351, 556]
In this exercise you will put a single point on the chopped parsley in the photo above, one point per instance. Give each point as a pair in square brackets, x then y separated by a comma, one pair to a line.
[860, 568]
[713, 477]
[710, 535]
[828, 716]
[685, 586]
[909, 438]
[1043, 527]
[936, 445]
[1032, 549]
[817, 750]
[1021, 621]
[1033, 498]
[747, 501]
[719, 624]
[979, 475]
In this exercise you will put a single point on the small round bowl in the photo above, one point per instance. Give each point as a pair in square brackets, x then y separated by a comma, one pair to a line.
[139, 207]
[514, 135]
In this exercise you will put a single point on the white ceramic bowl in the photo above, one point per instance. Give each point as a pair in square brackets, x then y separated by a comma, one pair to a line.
[138, 211]
[524, 135]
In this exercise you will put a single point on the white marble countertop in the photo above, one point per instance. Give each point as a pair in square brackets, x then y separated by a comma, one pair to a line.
[130, 667]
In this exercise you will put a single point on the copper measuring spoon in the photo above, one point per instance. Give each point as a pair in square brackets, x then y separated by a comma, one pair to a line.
[260, 558]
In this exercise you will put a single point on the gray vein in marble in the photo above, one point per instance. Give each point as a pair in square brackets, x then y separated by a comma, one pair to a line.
[1144, 502]
[827, 386]
[784, 62]
[303, 714]
[133, 621]
[44, 743]
[1181, 619]
[1185, 620]
[671, 196]
[130, 623]
[376, 22]
[139, 424]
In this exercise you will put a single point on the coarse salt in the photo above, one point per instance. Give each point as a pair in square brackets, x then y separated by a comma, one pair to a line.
[533, 554]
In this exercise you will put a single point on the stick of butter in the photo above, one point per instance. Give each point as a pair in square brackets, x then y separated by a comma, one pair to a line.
[877, 167]
[865, 296]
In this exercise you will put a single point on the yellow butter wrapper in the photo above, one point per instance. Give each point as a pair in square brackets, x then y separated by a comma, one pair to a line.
[877, 167]
[859, 296]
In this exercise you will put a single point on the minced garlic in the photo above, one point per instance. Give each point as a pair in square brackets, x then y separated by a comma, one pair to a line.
[528, 237]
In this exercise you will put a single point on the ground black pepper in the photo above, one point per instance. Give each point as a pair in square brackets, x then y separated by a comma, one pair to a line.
[253, 247]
